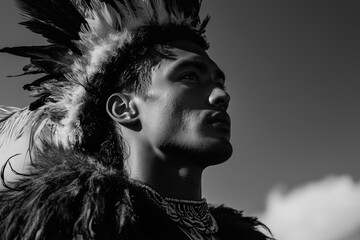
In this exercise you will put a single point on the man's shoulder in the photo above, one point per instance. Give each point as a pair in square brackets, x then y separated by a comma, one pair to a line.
[234, 225]
[63, 194]
[56, 170]
[67, 193]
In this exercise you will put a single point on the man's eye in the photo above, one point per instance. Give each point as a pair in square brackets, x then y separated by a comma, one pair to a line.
[190, 76]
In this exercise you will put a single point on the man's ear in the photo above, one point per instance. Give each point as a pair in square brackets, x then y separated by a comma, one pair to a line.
[121, 108]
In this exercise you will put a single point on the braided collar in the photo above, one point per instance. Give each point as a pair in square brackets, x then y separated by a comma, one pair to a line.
[191, 216]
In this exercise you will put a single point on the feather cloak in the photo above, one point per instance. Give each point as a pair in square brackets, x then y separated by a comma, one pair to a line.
[68, 195]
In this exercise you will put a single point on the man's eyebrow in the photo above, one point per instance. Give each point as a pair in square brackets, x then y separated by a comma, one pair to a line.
[199, 64]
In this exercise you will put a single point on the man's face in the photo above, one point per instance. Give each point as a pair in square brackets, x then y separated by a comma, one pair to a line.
[185, 112]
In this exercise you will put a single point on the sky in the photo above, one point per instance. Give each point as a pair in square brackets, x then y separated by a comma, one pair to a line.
[292, 69]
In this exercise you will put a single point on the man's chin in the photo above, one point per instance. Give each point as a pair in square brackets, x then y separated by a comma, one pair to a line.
[219, 153]
[213, 154]
[213, 151]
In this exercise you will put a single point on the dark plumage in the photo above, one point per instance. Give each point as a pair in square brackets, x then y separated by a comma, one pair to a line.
[71, 196]
[66, 194]
[58, 21]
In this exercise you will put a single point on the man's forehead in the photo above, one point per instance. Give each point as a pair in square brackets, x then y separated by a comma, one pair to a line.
[187, 53]
[189, 47]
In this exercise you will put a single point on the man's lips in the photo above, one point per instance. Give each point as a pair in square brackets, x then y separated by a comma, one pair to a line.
[221, 119]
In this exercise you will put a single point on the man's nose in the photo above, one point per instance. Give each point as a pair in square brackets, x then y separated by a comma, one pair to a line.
[219, 98]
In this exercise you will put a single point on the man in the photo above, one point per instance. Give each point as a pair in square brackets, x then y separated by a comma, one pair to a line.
[130, 112]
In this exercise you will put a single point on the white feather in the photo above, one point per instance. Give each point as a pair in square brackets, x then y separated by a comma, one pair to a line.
[107, 32]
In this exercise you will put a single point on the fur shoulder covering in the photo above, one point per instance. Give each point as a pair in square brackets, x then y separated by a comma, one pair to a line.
[70, 196]
[66, 196]
[233, 225]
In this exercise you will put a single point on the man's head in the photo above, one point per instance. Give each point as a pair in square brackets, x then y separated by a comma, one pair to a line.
[182, 113]
[103, 47]
[129, 72]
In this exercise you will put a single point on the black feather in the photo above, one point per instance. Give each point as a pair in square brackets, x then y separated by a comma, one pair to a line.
[26, 73]
[47, 58]
[190, 8]
[38, 82]
[30, 67]
[203, 25]
[58, 15]
[41, 101]
[37, 52]
[54, 35]
[233, 225]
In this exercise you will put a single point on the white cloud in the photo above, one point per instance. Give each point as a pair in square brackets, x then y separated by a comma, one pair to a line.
[325, 210]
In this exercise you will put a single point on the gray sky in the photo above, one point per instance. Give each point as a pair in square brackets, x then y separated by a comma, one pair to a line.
[292, 70]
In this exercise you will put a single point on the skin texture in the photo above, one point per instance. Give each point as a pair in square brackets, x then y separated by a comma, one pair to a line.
[181, 127]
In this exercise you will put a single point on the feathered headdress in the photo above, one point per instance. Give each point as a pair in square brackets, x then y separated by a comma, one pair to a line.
[85, 37]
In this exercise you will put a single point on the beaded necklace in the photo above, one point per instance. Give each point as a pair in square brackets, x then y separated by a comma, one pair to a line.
[192, 217]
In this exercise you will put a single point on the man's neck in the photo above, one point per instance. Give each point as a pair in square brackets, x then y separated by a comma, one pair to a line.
[171, 178]
[185, 185]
